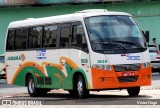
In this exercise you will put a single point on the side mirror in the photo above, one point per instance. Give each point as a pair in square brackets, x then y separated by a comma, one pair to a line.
[147, 44]
[147, 36]
[143, 33]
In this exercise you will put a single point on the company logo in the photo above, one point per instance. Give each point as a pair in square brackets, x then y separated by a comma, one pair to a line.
[23, 57]
[127, 67]
[133, 57]
[21, 102]
[20, 57]
[6, 102]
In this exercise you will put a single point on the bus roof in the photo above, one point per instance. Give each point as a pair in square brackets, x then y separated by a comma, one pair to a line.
[77, 16]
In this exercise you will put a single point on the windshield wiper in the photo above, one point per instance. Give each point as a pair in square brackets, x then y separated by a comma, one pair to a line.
[128, 42]
[111, 43]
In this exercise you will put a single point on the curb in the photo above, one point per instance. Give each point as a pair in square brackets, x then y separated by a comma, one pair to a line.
[151, 89]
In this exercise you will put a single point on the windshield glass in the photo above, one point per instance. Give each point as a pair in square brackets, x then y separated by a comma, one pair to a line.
[115, 30]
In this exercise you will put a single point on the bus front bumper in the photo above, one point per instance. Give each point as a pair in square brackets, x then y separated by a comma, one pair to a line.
[103, 79]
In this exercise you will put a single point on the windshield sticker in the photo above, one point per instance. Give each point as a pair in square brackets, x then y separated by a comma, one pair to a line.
[41, 54]
[133, 57]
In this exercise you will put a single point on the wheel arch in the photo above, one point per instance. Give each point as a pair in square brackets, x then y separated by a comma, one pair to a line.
[27, 75]
[75, 75]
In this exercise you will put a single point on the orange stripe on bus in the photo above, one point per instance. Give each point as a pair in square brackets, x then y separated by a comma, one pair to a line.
[105, 79]
[59, 76]
[97, 74]
[52, 64]
[24, 65]
[70, 62]
[37, 75]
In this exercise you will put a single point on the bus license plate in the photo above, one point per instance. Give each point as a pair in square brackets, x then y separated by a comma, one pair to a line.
[128, 74]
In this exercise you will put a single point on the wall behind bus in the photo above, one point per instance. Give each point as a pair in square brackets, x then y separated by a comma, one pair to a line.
[146, 13]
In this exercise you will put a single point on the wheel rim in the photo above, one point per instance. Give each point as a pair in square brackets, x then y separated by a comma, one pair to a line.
[80, 87]
[31, 85]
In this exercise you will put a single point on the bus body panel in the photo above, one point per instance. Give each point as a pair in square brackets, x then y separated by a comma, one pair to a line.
[110, 79]
[48, 63]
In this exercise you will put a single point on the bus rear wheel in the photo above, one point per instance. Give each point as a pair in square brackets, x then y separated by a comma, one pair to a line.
[133, 91]
[32, 90]
[80, 88]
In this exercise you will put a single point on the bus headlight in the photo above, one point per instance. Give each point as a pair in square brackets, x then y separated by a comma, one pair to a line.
[146, 64]
[103, 67]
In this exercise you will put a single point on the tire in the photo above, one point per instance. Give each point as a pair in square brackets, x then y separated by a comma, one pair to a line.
[80, 88]
[32, 90]
[133, 91]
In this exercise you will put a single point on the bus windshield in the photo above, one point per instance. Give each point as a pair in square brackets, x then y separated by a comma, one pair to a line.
[114, 33]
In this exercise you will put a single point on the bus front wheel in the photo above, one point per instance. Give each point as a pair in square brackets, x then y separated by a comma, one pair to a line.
[133, 91]
[80, 87]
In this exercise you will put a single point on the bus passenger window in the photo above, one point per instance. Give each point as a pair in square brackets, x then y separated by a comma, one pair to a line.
[78, 39]
[50, 34]
[20, 38]
[10, 40]
[64, 40]
[35, 34]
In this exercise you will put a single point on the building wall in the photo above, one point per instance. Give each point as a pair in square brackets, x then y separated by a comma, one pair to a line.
[146, 13]
[44, 2]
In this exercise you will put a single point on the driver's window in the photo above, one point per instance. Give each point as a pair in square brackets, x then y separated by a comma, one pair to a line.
[78, 39]
[136, 32]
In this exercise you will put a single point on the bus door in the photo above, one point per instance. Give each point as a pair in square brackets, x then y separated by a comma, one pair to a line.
[64, 53]
[79, 49]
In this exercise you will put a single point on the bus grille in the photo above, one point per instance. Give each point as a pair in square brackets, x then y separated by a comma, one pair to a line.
[126, 67]
[127, 79]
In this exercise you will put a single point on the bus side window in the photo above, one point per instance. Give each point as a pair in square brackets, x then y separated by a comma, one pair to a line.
[50, 35]
[35, 34]
[10, 40]
[64, 36]
[20, 38]
[78, 39]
